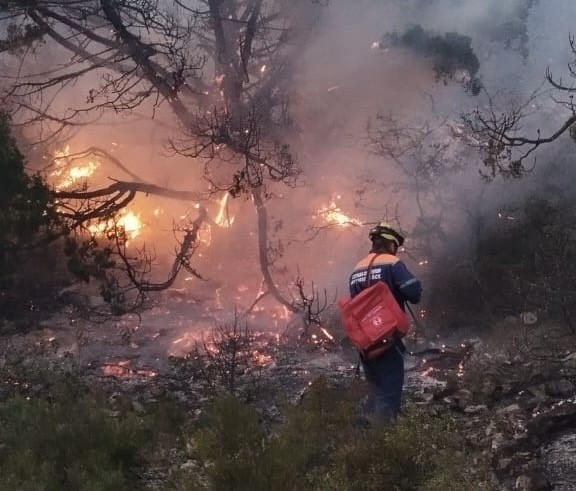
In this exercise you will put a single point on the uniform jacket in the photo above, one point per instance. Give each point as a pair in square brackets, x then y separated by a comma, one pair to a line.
[391, 270]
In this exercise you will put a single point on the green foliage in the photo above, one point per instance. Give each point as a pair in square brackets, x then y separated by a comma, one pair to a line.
[32, 261]
[25, 201]
[71, 441]
[420, 452]
[450, 53]
[318, 446]
[26, 209]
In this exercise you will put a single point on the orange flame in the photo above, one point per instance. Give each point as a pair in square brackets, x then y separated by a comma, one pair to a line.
[128, 221]
[333, 215]
[67, 176]
[224, 219]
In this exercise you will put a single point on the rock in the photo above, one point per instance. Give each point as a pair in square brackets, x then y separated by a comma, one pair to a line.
[524, 483]
[539, 392]
[460, 399]
[504, 464]
[490, 390]
[502, 445]
[96, 301]
[157, 390]
[111, 414]
[114, 398]
[490, 429]
[570, 361]
[138, 407]
[560, 388]
[558, 418]
[475, 409]
[529, 318]
[535, 481]
[512, 408]
[558, 458]
[189, 465]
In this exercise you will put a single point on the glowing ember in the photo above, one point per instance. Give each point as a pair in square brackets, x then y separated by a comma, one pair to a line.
[260, 358]
[333, 215]
[223, 219]
[327, 334]
[124, 370]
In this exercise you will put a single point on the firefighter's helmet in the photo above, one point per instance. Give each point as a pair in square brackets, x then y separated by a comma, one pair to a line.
[385, 231]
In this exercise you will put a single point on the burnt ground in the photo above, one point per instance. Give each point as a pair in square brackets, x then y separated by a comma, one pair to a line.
[516, 395]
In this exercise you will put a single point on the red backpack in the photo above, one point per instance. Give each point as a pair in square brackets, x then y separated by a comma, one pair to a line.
[373, 317]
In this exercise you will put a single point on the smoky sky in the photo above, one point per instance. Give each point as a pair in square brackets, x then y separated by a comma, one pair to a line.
[341, 83]
[344, 83]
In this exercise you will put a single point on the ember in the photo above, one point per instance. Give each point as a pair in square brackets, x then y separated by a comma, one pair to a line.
[327, 334]
[261, 359]
[124, 370]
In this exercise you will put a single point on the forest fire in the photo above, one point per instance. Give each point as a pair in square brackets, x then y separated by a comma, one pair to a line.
[333, 215]
[127, 221]
[67, 175]
[223, 218]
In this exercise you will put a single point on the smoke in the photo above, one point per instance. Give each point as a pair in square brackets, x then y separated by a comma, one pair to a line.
[343, 80]
[343, 84]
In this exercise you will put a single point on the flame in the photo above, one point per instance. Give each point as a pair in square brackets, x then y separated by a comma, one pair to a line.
[223, 219]
[333, 215]
[128, 221]
[76, 174]
[205, 235]
[66, 175]
[62, 153]
[131, 224]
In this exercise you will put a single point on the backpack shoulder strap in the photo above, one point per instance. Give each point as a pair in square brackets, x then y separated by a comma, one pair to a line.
[367, 284]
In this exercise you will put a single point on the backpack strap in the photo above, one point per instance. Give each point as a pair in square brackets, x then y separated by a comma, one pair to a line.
[367, 284]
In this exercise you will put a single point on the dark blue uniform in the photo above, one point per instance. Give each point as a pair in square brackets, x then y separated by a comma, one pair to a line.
[386, 372]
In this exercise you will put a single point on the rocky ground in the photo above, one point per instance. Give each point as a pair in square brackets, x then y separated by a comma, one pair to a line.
[518, 405]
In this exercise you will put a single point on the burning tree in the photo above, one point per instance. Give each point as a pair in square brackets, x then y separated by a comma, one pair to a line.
[219, 71]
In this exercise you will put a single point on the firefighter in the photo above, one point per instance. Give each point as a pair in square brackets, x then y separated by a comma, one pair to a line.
[385, 373]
